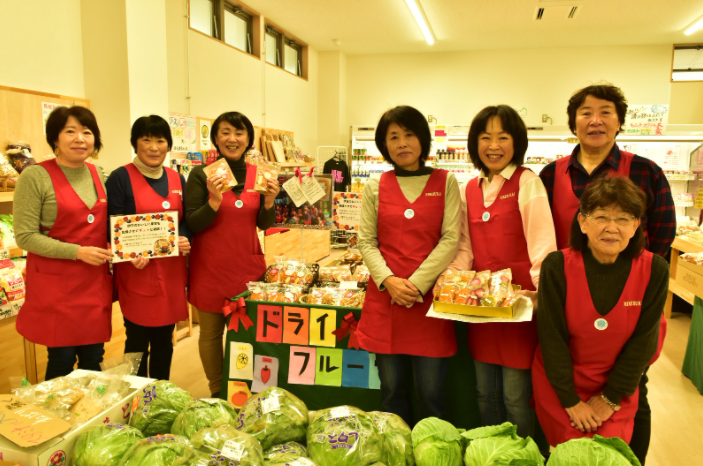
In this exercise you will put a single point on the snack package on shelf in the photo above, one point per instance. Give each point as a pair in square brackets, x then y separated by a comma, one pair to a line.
[351, 256]
[19, 156]
[686, 225]
[257, 291]
[340, 273]
[693, 257]
[329, 296]
[7, 231]
[291, 272]
[694, 237]
[12, 282]
[221, 168]
[352, 297]
[361, 274]
[264, 172]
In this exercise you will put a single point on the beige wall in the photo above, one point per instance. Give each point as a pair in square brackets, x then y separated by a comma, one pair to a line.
[686, 103]
[41, 47]
[332, 125]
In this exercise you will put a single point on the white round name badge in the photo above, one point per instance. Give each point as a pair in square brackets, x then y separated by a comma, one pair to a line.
[601, 324]
[91, 218]
[486, 216]
[166, 204]
[409, 213]
[239, 204]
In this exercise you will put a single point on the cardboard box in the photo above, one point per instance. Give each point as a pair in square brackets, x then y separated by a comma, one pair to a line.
[690, 276]
[482, 311]
[59, 450]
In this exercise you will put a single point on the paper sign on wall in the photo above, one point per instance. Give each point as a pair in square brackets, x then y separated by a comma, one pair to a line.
[296, 325]
[204, 132]
[346, 210]
[241, 361]
[238, 393]
[265, 373]
[329, 367]
[295, 191]
[27, 425]
[356, 369]
[322, 324]
[301, 366]
[374, 379]
[269, 326]
[46, 109]
[646, 120]
[183, 132]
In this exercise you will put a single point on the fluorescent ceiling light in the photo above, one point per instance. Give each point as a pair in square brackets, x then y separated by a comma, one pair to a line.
[421, 20]
[694, 27]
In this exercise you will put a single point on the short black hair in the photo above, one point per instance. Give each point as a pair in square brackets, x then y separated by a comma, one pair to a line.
[601, 91]
[512, 124]
[408, 118]
[151, 126]
[239, 121]
[58, 118]
[605, 191]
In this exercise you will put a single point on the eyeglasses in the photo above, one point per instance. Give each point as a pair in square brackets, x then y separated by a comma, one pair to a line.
[623, 221]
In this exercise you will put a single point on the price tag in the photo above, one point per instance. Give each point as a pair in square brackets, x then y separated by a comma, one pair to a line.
[340, 411]
[348, 285]
[233, 450]
[312, 189]
[270, 404]
[295, 191]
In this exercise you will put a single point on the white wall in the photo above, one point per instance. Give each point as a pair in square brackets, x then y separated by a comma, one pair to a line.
[41, 46]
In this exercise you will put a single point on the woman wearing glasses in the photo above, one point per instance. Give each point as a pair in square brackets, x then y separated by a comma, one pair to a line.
[601, 302]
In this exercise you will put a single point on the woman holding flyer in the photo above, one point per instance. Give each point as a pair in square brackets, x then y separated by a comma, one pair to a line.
[226, 249]
[152, 293]
[506, 224]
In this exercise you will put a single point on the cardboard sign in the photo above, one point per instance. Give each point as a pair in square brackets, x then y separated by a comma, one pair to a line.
[322, 324]
[265, 373]
[241, 364]
[27, 425]
[356, 369]
[301, 368]
[296, 325]
[270, 324]
[329, 367]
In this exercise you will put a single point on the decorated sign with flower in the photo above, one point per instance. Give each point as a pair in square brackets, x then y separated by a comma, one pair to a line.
[152, 236]
[346, 210]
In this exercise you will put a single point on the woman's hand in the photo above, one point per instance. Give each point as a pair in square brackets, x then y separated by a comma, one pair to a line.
[140, 262]
[183, 245]
[272, 190]
[601, 408]
[583, 417]
[532, 295]
[402, 291]
[94, 256]
[214, 184]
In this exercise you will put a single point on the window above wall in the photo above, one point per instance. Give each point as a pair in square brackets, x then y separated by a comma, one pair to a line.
[228, 21]
[285, 51]
[687, 63]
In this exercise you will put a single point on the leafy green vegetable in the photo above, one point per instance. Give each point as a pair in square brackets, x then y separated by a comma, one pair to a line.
[222, 445]
[206, 412]
[344, 436]
[104, 445]
[274, 416]
[397, 439]
[436, 443]
[159, 404]
[302, 461]
[599, 451]
[285, 452]
[499, 445]
[155, 451]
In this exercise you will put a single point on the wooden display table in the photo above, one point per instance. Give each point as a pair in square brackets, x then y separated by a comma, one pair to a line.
[684, 281]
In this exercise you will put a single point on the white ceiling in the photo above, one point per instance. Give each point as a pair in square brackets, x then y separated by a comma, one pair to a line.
[386, 26]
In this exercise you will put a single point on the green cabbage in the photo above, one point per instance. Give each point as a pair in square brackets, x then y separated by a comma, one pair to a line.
[158, 405]
[285, 452]
[397, 439]
[222, 445]
[344, 436]
[436, 443]
[598, 451]
[302, 461]
[155, 451]
[206, 412]
[104, 445]
[274, 416]
[499, 445]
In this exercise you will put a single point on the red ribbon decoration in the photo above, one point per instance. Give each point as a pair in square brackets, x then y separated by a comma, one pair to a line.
[299, 175]
[311, 170]
[348, 326]
[239, 310]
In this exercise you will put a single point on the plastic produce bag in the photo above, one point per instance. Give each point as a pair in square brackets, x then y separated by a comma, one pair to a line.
[397, 439]
[274, 416]
[285, 452]
[155, 451]
[104, 445]
[222, 445]
[205, 412]
[158, 404]
[344, 435]
[436, 443]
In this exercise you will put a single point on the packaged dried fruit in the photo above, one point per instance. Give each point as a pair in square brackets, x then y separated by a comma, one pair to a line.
[447, 292]
[256, 290]
[478, 287]
[500, 285]
[361, 274]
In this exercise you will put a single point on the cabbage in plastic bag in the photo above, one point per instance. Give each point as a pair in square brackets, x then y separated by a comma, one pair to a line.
[155, 451]
[436, 443]
[285, 452]
[397, 439]
[274, 416]
[598, 451]
[104, 445]
[159, 404]
[344, 435]
[205, 412]
[222, 445]
[302, 461]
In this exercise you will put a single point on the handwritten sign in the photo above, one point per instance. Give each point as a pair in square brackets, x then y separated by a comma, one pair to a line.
[241, 364]
[265, 373]
[150, 235]
[46, 109]
[646, 120]
[183, 132]
[27, 425]
[204, 134]
[346, 211]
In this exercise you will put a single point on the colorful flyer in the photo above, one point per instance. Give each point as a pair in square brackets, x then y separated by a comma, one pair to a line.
[296, 325]
[152, 236]
[301, 368]
[270, 324]
[322, 324]
[346, 210]
[329, 367]
[265, 373]
[356, 369]
[241, 361]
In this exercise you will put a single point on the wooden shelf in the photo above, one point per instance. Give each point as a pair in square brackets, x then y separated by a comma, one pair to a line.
[7, 196]
[686, 246]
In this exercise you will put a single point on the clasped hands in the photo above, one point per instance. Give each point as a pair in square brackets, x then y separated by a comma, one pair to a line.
[402, 291]
[588, 416]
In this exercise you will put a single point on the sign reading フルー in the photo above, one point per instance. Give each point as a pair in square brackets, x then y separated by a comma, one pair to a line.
[150, 235]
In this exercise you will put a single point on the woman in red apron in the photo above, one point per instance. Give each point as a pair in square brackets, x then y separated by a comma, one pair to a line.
[507, 225]
[60, 215]
[408, 235]
[152, 293]
[601, 302]
[226, 250]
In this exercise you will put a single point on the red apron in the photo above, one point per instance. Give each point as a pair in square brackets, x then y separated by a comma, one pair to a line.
[499, 243]
[405, 243]
[68, 302]
[227, 255]
[593, 352]
[155, 295]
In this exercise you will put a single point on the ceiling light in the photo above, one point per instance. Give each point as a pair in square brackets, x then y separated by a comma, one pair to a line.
[698, 24]
[421, 20]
